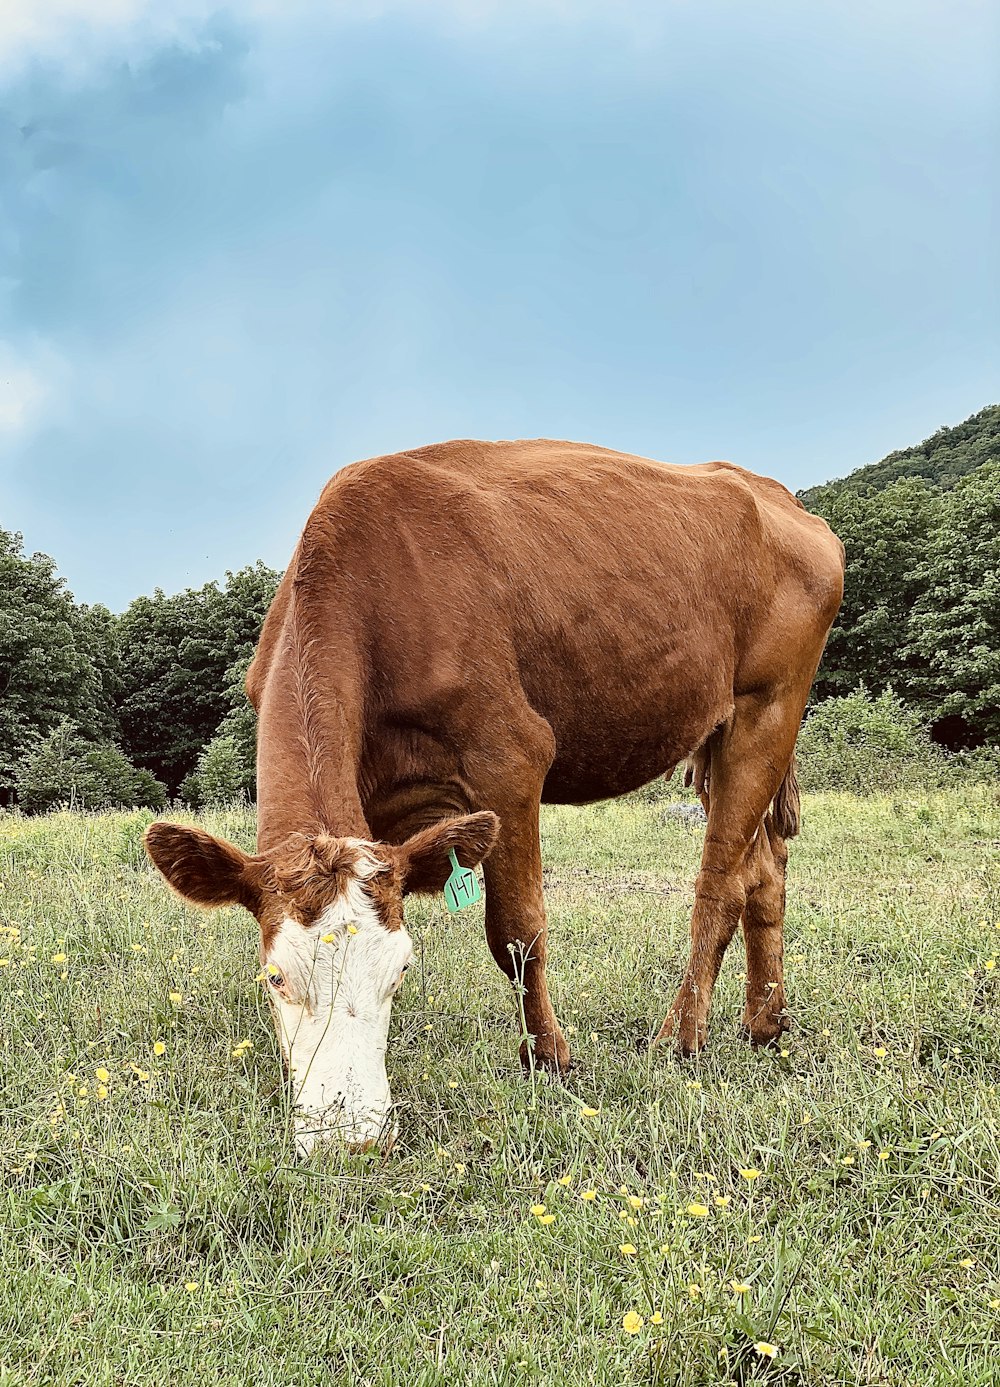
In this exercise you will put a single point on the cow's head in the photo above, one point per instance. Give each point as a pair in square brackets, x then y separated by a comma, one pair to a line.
[333, 946]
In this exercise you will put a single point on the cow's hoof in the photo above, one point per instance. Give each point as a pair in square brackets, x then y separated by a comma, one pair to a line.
[689, 1038]
[548, 1053]
[764, 1030]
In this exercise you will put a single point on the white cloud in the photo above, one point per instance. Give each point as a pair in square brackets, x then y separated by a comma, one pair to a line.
[74, 35]
[27, 387]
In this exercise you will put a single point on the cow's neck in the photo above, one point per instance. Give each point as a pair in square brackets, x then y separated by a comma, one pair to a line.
[308, 754]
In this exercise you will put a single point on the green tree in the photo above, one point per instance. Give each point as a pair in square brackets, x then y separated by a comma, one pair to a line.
[227, 767]
[177, 654]
[47, 658]
[69, 768]
[955, 625]
[221, 772]
[886, 537]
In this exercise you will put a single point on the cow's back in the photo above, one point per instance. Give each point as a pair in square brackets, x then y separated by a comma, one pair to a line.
[619, 596]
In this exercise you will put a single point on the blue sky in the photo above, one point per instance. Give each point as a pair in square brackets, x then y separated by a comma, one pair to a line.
[241, 246]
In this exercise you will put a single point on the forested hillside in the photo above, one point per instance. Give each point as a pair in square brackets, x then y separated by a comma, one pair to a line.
[940, 460]
[921, 609]
[100, 708]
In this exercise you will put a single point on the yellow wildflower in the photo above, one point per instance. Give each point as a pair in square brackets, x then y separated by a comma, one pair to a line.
[632, 1322]
[159, 1048]
[697, 1210]
[547, 1219]
[656, 1317]
[739, 1287]
[565, 1180]
[589, 1112]
[636, 1200]
[538, 1210]
[722, 1200]
[588, 1196]
[102, 1074]
[751, 1173]
[627, 1249]
[766, 1350]
[176, 998]
[58, 958]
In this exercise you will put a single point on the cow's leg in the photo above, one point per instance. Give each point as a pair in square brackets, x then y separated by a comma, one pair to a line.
[508, 779]
[765, 1017]
[749, 758]
[516, 930]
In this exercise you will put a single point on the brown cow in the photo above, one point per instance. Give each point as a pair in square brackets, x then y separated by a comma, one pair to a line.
[468, 630]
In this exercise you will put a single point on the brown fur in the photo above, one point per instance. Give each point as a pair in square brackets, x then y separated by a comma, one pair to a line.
[306, 873]
[786, 811]
[483, 626]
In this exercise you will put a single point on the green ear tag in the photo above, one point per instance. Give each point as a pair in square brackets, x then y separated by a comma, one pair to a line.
[462, 887]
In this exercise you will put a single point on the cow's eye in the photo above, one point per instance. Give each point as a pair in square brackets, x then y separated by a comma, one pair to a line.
[276, 979]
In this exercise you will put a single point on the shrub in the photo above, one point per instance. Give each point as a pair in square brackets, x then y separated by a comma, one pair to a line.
[867, 745]
[223, 774]
[67, 768]
[189, 791]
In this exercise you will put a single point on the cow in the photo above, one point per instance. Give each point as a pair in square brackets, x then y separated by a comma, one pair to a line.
[471, 629]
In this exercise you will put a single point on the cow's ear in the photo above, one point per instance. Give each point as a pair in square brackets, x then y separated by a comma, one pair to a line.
[205, 870]
[424, 860]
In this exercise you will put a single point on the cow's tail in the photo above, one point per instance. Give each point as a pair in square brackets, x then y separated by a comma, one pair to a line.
[786, 810]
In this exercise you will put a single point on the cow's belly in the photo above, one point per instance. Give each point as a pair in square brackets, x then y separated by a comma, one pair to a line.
[618, 749]
[575, 783]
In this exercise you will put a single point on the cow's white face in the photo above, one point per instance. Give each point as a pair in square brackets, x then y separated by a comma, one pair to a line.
[334, 950]
[332, 983]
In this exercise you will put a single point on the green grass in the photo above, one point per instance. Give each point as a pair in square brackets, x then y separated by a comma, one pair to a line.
[430, 1267]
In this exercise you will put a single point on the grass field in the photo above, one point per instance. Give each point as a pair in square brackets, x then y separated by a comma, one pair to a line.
[837, 1200]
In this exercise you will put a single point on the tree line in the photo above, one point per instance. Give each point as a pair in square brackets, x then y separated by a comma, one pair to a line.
[921, 610]
[98, 708]
[133, 708]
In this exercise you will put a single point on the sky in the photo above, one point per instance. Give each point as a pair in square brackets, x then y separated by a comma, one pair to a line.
[242, 245]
